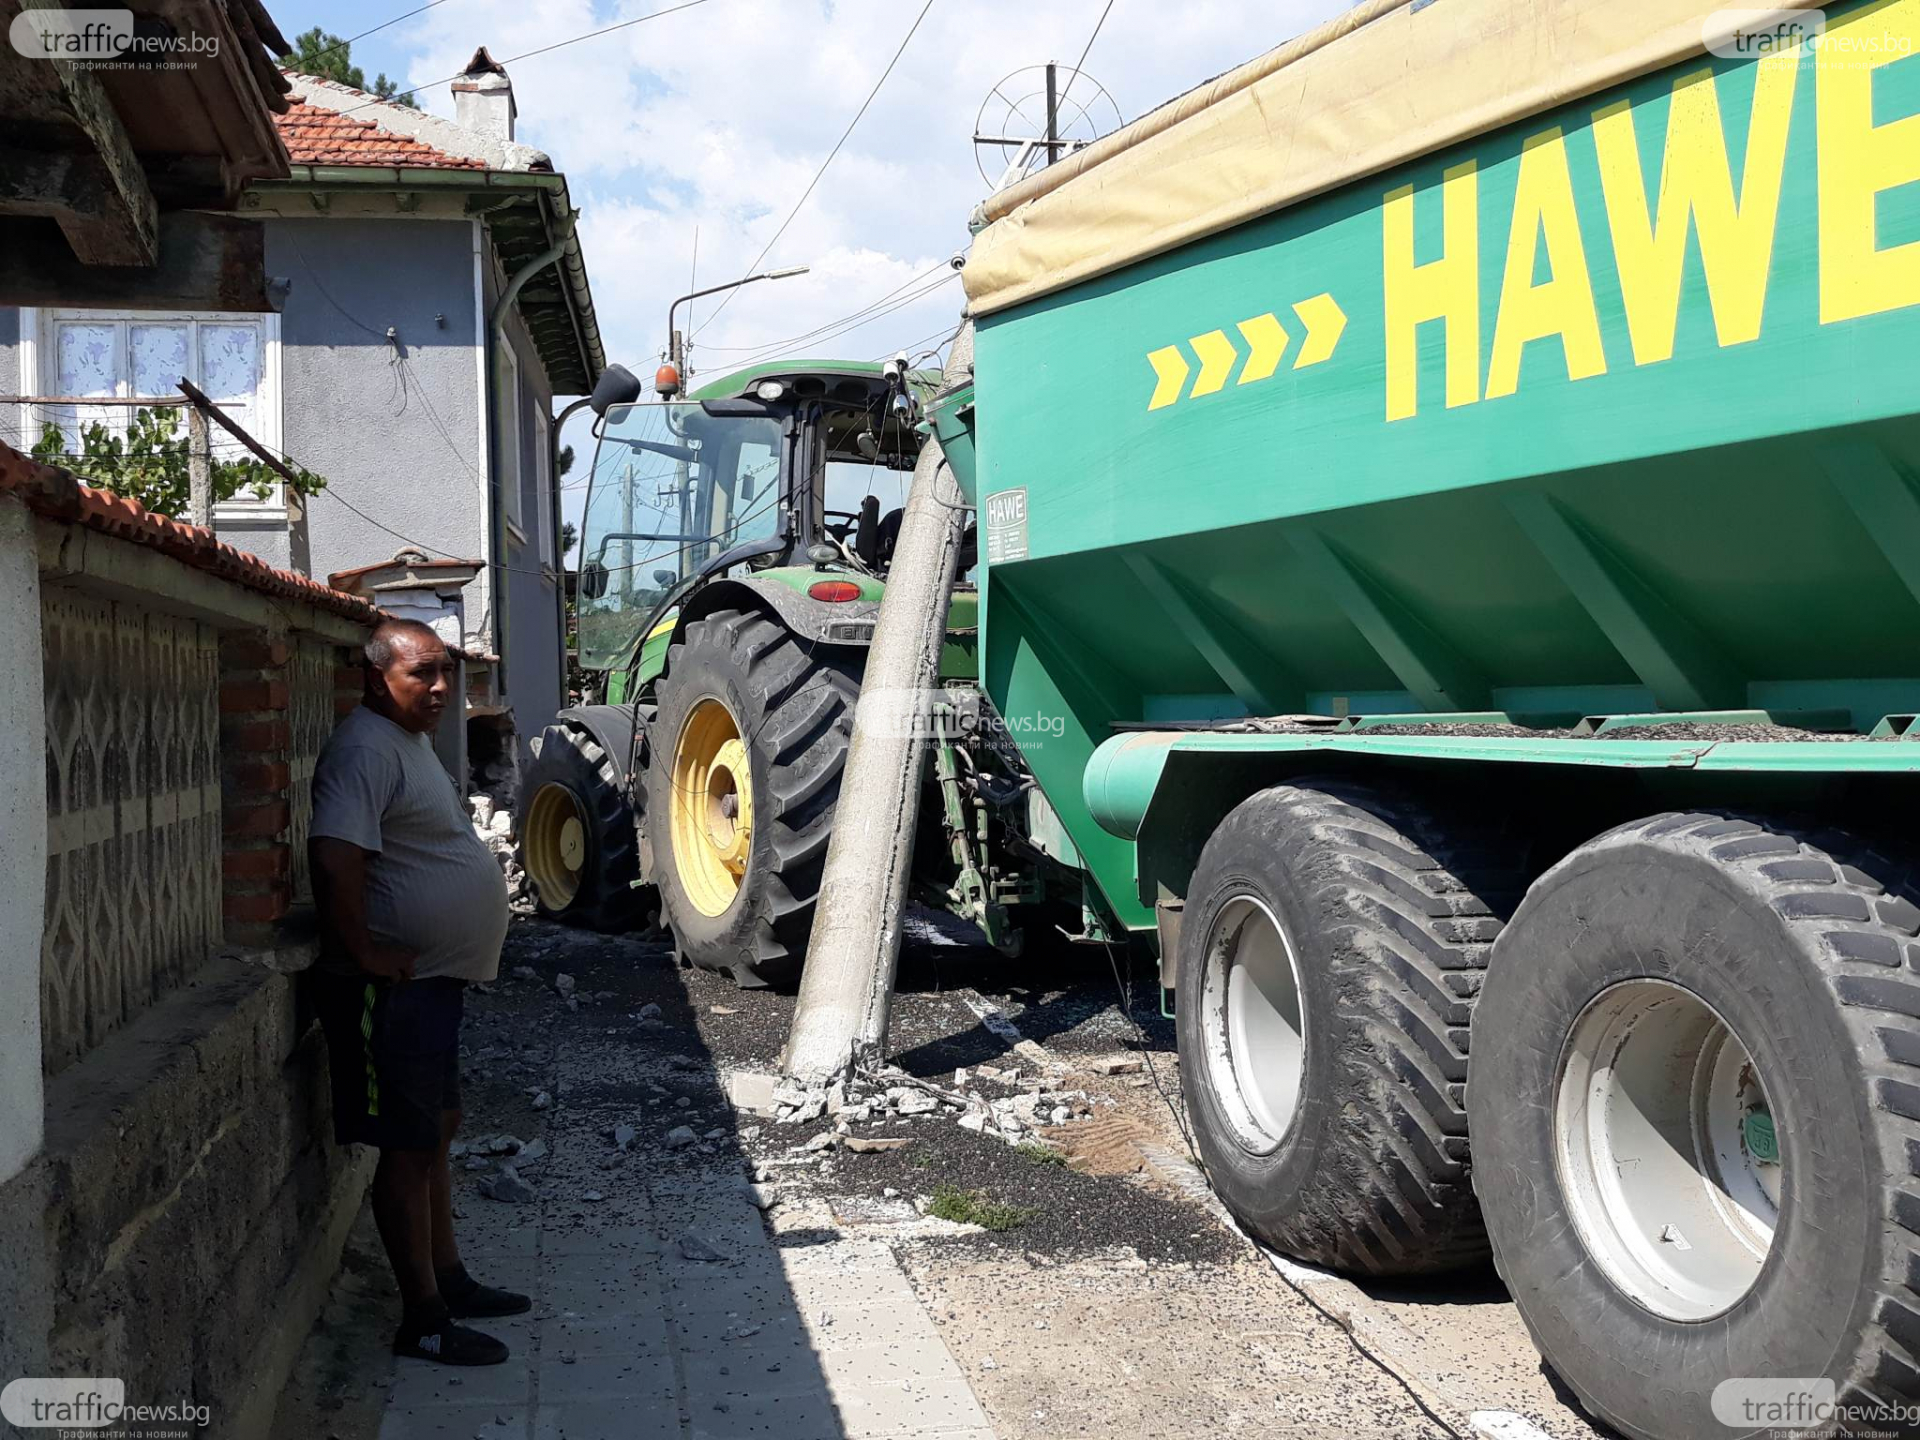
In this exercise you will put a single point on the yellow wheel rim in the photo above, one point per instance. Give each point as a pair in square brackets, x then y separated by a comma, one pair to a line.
[555, 844]
[711, 824]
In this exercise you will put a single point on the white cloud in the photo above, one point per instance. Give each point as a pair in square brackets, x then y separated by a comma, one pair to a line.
[718, 117]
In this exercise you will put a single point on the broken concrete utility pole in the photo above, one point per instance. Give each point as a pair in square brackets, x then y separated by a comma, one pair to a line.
[841, 1017]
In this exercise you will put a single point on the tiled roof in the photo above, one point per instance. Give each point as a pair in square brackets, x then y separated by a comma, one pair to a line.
[315, 135]
[55, 493]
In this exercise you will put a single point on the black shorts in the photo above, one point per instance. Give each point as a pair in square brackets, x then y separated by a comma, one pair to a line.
[394, 1051]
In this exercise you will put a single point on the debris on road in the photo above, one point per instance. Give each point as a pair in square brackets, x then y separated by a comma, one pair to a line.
[875, 1145]
[506, 1185]
[696, 1246]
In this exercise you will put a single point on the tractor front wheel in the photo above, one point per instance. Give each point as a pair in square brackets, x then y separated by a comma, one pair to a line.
[745, 759]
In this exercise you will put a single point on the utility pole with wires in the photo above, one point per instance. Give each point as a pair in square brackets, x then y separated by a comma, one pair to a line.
[199, 469]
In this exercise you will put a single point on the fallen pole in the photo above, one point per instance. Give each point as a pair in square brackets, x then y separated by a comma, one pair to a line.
[841, 1016]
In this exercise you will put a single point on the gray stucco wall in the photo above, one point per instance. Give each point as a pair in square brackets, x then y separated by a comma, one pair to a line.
[394, 427]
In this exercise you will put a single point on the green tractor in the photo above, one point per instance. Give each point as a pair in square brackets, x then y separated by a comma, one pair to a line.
[734, 548]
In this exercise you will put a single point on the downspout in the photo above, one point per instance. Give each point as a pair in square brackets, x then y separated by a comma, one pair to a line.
[497, 335]
[559, 553]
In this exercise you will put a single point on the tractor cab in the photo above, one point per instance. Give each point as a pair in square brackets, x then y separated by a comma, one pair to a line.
[786, 464]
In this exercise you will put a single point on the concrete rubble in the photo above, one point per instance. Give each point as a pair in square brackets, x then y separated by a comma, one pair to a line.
[876, 1098]
[493, 823]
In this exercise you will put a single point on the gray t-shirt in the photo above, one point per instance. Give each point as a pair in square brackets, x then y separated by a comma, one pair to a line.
[432, 886]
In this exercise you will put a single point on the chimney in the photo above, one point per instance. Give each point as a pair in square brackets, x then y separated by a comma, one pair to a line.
[483, 97]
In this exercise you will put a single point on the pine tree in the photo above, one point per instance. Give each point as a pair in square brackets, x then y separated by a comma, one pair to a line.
[328, 57]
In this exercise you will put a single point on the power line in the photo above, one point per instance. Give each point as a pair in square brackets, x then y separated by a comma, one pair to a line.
[1090, 39]
[942, 338]
[818, 174]
[348, 42]
[838, 328]
[543, 50]
[809, 334]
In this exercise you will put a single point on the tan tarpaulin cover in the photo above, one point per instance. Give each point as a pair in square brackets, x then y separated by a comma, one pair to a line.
[1382, 84]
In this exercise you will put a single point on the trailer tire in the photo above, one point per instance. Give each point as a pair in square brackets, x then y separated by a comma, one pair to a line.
[576, 829]
[1690, 973]
[1372, 922]
[782, 710]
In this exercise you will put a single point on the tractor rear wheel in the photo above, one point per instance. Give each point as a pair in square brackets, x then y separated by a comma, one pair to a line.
[1329, 958]
[745, 759]
[578, 841]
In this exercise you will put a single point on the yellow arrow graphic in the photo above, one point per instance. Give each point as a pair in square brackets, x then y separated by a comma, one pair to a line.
[1217, 357]
[1267, 341]
[1325, 322]
[1170, 373]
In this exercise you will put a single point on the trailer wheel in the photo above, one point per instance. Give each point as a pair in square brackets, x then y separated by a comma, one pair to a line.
[577, 836]
[747, 752]
[1330, 955]
[1695, 1088]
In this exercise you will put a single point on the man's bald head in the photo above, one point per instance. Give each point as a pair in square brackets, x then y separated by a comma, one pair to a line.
[409, 674]
[379, 648]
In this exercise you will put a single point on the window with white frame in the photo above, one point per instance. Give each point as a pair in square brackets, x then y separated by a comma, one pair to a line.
[233, 358]
[543, 481]
[508, 401]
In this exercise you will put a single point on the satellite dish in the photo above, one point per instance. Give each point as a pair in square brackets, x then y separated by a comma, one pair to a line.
[1011, 134]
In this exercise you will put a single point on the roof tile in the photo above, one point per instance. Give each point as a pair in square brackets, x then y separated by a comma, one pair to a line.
[315, 135]
[57, 494]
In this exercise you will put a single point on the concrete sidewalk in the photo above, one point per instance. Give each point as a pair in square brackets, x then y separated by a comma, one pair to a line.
[662, 1307]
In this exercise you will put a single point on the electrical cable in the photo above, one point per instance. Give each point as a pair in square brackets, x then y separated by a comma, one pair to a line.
[834, 331]
[926, 274]
[821, 172]
[1108, 10]
[348, 42]
[542, 50]
[324, 293]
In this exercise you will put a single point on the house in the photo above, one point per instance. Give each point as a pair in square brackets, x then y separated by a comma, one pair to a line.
[436, 302]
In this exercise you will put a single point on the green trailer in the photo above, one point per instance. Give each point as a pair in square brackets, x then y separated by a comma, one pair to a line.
[1450, 498]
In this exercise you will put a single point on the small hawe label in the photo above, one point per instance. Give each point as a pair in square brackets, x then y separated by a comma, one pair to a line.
[1007, 526]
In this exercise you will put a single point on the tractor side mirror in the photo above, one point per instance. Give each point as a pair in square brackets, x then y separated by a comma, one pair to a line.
[617, 385]
[593, 579]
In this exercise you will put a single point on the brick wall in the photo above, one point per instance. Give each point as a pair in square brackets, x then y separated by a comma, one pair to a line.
[279, 699]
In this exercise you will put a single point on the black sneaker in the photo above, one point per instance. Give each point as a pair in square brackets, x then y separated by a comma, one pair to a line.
[445, 1343]
[469, 1299]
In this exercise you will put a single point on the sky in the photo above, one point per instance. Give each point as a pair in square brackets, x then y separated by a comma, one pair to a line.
[706, 126]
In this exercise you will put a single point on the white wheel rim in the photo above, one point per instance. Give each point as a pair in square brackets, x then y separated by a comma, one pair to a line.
[1251, 1023]
[1661, 1127]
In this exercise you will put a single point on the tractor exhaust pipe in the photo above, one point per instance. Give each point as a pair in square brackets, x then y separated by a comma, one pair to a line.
[847, 987]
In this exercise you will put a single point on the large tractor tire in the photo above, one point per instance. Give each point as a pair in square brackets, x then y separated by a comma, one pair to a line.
[578, 842]
[1696, 1116]
[746, 756]
[1330, 953]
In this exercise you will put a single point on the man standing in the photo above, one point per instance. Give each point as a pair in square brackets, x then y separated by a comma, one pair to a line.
[412, 910]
